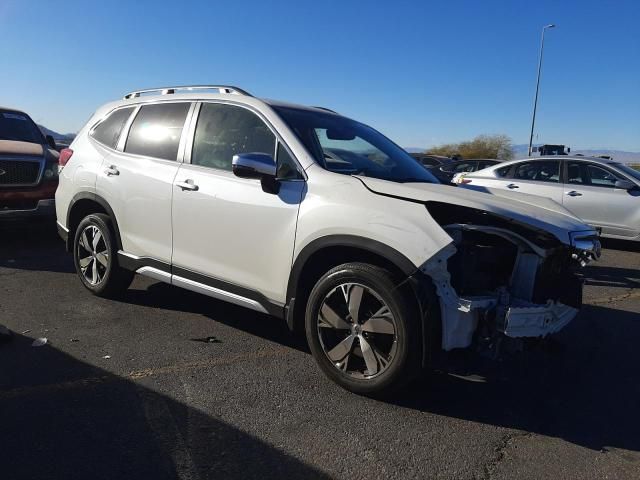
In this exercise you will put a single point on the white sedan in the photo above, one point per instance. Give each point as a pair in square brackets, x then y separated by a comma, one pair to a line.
[602, 192]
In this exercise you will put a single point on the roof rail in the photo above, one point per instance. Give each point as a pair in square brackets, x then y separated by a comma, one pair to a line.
[326, 109]
[170, 90]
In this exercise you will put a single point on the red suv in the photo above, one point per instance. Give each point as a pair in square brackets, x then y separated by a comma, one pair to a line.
[28, 167]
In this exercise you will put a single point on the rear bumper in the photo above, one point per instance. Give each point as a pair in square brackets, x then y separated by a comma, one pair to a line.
[44, 208]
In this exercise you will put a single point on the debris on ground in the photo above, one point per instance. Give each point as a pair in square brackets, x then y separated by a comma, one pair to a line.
[74, 340]
[5, 334]
[26, 331]
[210, 339]
[38, 342]
[107, 357]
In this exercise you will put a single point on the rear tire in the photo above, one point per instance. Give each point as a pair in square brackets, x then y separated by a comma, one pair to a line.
[95, 257]
[362, 330]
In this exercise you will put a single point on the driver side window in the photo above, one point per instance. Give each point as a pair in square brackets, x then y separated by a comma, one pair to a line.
[225, 130]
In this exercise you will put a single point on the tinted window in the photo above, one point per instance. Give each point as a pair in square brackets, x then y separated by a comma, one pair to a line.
[287, 167]
[223, 131]
[18, 126]
[502, 172]
[575, 173]
[482, 165]
[108, 131]
[460, 167]
[601, 177]
[157, 129]
[541, 171]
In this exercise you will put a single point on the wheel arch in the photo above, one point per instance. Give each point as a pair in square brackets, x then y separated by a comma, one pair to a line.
[83, 204]
[324, 253]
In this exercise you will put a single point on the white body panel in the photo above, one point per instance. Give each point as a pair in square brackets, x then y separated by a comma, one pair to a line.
[140, 197]
[615, 211]
[232, 230]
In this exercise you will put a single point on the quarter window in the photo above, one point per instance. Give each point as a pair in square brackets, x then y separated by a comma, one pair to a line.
[224, 130]
[157, 129]
[287, 167]
[540, 171]
[108, 131]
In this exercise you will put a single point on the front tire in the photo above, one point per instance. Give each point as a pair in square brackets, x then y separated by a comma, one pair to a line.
[363, 330]
[95, 257]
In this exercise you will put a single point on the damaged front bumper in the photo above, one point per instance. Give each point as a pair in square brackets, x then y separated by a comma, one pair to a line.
[533, 303]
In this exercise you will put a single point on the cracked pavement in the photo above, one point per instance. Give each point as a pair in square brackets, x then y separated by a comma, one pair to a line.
[254, 404]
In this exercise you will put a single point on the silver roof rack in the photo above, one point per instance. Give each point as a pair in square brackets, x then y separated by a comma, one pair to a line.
[170, 90]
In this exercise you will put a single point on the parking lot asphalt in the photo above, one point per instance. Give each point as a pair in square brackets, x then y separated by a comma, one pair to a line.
[132, 389]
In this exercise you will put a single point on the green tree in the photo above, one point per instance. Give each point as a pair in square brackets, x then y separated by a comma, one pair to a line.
[483, 146]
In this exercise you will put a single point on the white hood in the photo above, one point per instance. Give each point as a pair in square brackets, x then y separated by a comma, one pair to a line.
[538, 212]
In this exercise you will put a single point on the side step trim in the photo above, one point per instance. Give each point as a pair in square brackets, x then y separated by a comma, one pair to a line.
[217, 293]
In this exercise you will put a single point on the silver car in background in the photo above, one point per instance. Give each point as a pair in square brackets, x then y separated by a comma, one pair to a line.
[602, 192]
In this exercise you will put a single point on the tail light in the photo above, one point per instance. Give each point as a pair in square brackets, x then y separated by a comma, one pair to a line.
[65, 156]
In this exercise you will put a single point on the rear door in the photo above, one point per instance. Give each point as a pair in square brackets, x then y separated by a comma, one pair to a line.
[137, 178]
[590, 193]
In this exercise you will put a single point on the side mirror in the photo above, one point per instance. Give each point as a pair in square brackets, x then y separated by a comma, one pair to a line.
[257, 165]
[624, 184]
[51, 142]
[253, 165]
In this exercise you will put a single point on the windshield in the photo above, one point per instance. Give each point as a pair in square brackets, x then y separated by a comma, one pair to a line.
[18, 126]
[632, 172]
[345, 146]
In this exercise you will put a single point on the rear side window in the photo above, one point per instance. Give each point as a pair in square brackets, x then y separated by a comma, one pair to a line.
[539, 171]
[108, 131]
[157, 129]
[224, 130]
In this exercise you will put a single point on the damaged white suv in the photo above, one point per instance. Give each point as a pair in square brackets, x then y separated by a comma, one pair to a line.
[305, 214]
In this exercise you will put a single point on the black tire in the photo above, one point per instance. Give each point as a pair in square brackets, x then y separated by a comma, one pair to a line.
[112, 280]
[380, 288]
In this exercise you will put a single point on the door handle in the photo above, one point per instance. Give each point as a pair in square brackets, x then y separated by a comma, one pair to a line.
[111, 170]
[573, 193]
[512, 186]
[187, 185]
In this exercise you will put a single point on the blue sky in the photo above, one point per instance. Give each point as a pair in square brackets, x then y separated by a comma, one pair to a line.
[422, 72]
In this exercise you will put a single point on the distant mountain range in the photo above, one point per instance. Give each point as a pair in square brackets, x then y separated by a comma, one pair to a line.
[58, 137]
[522, 149]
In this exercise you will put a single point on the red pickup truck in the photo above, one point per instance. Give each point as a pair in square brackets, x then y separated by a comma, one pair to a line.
[28, 168]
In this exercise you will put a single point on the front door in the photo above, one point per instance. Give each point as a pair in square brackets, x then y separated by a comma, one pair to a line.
[590, 193]
[228, 232]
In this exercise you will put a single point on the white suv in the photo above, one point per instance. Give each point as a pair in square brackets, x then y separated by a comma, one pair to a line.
[310, 216]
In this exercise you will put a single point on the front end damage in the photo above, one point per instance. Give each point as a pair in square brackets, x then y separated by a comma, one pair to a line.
[503, 279]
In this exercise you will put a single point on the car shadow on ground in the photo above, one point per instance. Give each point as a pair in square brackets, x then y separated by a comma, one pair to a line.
[622, 245]
[20, 240]
[605, 276]
[585, 390]
[582, 386]
[63, 418]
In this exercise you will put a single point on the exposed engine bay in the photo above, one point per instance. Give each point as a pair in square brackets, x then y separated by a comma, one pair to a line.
[501, 278]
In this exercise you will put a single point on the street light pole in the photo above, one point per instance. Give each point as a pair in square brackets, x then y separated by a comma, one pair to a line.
[535, 102]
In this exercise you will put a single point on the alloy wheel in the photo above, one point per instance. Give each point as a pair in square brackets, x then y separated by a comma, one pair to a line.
[93, 255]
[357, 330]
